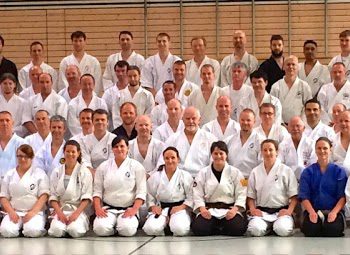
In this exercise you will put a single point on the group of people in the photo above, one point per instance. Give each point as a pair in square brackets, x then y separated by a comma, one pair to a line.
[185, 146]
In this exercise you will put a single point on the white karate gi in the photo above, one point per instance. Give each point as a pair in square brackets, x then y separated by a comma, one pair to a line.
[44, 159]
[23, 75]
[109, 77]
[193, 156]
[297, 159]
[272, 190]
[207, 109]
[164, 131]
[186, 90]
[214, 128]
[16, 106]
[161, 189]
[79, 188]
[64, 93]
[328, 97]
[341, 156]
[320, 130]
[78, 138]
[88, 64]
[111, 95]
[54, 104]
[36, 141]
[245, 157]
[226, 64]
[292, 99]
[193, 71]
[27, 93]
[207, 189]
[236, 95]
[76, 105]
[344, 60]
[154, 72]
[8, 154]
[159, 115]
[318, 76]
[23, 192]
[95, 152]
[154, 151]
[277, 132]
[143, 99]
[119, 187]
[251, 103]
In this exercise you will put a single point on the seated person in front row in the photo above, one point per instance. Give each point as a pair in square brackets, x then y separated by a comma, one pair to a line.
[24, 193]
[219, 197]
[322, 192]
[71, 194]
[119, 191]
[169, 197]
[272, 194]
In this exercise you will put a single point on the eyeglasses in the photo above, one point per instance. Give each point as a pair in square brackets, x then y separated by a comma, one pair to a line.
[22, 156]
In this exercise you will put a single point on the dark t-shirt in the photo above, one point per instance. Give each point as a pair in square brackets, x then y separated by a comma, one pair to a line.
[122, 132]
[273, 71]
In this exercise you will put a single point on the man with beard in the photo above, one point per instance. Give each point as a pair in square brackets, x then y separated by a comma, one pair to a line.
[344, 56]
[73, 79]
[192, 142]
[110, 76]
[128, 114]
[273, 66]
[142, 98]
[312, 71]
[239, 54]
[6, 66]
[194, 65]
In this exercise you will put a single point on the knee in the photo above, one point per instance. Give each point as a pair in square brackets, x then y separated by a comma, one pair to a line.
[152, 227]
[283, 226]
[56, 232]
[32, 232]
[236, 227]
[9, 232]
[76, 231]
[257, 227]
[101, 229]
[127, 227]
[201, 226]
[180, 229]
[127, 230]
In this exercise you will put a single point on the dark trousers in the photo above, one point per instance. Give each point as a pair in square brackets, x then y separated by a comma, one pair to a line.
[237, 226]
[328, 229]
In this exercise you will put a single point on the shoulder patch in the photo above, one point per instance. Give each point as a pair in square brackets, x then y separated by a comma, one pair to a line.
[244, 182]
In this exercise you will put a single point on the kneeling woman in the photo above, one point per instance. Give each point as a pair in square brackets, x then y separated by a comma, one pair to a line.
[322, 192]
[272, 194]
[119, 191]
[24, 193]
[219, 197]
[71, 194]
[169, 197]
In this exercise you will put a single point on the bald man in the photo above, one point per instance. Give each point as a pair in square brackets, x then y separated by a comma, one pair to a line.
[341, 152]
[73, 78]
[192, 142]
[297, 151]
[34, 73]
[144, 148]
[291, 91]
[223, 126]
[239, 54]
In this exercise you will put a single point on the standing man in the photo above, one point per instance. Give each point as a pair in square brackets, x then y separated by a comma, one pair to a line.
[312, 71]
[158, 68]
[6, 66]
[85, 62]
[273, 66]
[194, 65]
[344, 56]
[291, 91]
[239, 54]
[37, 59]
[127, 53]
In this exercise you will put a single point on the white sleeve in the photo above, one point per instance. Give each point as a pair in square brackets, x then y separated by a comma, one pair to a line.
[5, 192]
[107, 78]
[53, 185]
[240, 190]
[198, 190]
[43, 184]
[152, 185]
[72, 121]
[141, 186]
[98, 182]
[147, 79]
[87, 182]
[188, 186]
[22, 78]
[62, 81]
[251, 192]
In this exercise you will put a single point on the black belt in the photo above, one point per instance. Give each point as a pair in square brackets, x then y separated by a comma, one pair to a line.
[219, 205]
[172, 204]
[271, 210]
[115, 207]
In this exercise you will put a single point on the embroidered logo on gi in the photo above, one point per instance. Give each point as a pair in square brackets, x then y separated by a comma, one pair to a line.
[32, 186]
[187, 92]
[78, 181]
[299, 93]
[127, 174]
[315, 80]
[179, 186]
[244, 182]
[251, 146]
[346, 96]
[62, 161]
[169, 70]
[104, 150]
[194, 184]
[276, 178]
